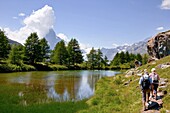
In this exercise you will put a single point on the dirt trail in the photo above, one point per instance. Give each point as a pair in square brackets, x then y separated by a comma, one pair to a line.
[156, 104]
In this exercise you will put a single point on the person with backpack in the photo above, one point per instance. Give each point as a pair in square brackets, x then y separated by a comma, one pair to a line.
[155, 82]
[145, 85]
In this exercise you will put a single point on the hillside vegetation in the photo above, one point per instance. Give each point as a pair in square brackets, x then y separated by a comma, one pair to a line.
[113, 96]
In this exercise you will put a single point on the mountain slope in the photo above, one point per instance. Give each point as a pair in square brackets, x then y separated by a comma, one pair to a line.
[139, 47]
[112, 95]
[52, 38]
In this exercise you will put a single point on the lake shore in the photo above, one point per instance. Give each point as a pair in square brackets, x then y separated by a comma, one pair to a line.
[7, 67]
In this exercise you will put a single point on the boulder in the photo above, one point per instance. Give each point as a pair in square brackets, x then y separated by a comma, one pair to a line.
[164, 66]
[159, 45]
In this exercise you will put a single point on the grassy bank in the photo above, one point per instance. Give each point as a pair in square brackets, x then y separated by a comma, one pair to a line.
[6, 67]
[113, 96]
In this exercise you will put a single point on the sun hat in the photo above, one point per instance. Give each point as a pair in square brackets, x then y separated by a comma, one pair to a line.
[153, 69]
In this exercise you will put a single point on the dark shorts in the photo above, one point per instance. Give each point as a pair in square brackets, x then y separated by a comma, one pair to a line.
[155, 87]
[145, 95]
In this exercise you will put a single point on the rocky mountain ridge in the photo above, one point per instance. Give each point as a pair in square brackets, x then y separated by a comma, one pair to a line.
[138, 47]
[159, 46]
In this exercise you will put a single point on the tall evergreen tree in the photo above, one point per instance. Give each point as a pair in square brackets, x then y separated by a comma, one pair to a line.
[106, 60]
[44, 50]
[132, 57]
[122, 57]
[4, 45]
[92, 58]
[74, 52]
[127, 57]
[139, 57]
[99, 58]
[116, 60]
[16, 54]
[60, 54]
[32, 48]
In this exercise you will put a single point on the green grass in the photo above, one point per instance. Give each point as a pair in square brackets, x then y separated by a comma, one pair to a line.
[53, 107]
[112, 96]
[7, 67]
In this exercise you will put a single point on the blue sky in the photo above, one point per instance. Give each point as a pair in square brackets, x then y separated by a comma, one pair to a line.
[96, 23]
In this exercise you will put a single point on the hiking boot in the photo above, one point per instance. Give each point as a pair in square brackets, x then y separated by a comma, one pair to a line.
[145, 109]
[144, 106]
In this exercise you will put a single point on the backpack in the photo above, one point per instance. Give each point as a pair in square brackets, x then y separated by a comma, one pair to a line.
[145, 82]
[155, 78]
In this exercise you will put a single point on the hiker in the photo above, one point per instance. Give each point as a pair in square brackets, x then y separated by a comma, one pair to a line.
[145, 85]
[137, 63]
[155, 82]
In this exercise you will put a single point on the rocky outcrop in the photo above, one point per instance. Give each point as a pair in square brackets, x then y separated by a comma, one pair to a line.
[159, 45]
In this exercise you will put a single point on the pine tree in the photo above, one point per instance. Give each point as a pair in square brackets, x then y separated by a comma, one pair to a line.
[106, 60]
[116, 60]
[44, 50]
[127, 57]
[139, 57]
[32, 49]
[74, 52]
[132, 57]
[16, 54]
[60, 54]
[122, 57]
[99, 58]
[92, 58]
[4, 45]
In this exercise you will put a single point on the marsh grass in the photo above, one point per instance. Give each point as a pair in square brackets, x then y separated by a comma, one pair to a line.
[53, 107]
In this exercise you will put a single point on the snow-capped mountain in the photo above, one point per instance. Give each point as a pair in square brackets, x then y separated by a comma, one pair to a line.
[52, 38]
[139, 47]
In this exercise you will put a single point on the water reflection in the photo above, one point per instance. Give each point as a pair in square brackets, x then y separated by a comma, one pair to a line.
[64, 85]
[21, 78]
[73, 86]
[85, 90]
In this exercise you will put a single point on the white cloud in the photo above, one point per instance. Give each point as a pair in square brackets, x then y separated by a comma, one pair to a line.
[63, 37]
[21, 14]
[159, 28]
[15, 17]
[165, 4]
[39, 21]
